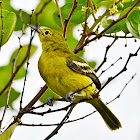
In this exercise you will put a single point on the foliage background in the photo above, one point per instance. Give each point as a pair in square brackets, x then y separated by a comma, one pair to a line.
[126, 108]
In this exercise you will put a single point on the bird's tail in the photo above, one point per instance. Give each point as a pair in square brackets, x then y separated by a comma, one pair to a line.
[110, 119]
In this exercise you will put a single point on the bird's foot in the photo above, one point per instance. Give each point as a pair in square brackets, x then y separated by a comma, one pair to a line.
[49, 101]
[70, 97]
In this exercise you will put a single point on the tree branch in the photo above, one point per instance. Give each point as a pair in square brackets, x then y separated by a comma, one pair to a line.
[69, 17]
[80, 46]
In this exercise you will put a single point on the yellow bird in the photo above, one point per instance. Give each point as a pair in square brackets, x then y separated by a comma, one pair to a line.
[64, 73]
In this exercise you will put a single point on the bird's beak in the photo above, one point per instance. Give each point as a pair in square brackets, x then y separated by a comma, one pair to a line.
[36, 29]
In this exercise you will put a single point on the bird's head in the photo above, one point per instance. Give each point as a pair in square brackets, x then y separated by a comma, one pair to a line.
[48, 34]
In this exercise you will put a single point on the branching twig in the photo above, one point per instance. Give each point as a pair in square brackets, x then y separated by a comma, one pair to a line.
[123, 69]
[122, 90]
[69, 17]
[80, 45]
[61, 123]
[50, 111]
[105, 57]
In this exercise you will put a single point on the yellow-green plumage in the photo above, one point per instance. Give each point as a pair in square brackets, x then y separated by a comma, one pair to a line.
[62, 77]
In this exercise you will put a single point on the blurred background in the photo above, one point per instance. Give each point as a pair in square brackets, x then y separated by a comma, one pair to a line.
[126, 108]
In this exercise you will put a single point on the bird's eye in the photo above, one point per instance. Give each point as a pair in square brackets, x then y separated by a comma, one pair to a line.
[47, 32]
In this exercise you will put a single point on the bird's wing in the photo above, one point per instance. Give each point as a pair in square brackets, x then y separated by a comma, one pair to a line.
[80, 66]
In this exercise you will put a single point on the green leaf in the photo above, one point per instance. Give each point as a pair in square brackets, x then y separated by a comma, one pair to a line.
[13, 96]
[97, 1]
[48, 94]
[20, 58]
[9, 22]
[104, 3]
[129, 3]
[22, 54]
[79, 1]
[6, 135]
[92, 64]
[21, 73]
[122, 23]
[26, 17]
[77, 17]
[106, 22]
[133, 23]
[5, 73]
[71, 40]
[46, 17]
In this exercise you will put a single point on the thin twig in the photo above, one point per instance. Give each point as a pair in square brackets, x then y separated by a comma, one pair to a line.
[28, 57]
[122, 90]
[86, 17]
[123, 69]
[103, 71]
[25, 79]
[69, 17]
[50, 111]
[6, 106]
[105, 56]
[92, 9]
[2, 31]
[113, 36]
[60, 15]
[61, 123]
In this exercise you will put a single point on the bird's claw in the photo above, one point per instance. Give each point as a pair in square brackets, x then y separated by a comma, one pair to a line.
[49, 101]
[70, 97]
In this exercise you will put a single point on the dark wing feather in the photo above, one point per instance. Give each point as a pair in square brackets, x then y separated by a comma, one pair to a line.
[80, 66]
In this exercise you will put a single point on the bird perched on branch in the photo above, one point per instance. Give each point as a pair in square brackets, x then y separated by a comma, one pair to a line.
[69, 76]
